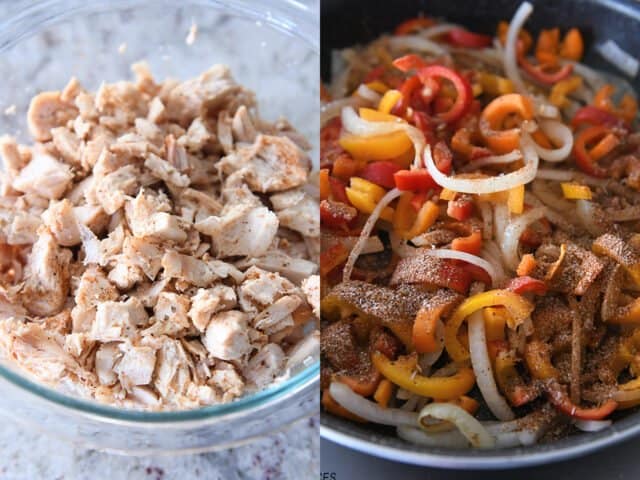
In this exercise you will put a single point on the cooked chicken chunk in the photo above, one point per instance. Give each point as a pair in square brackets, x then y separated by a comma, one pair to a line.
[298, 211]
[265, 365]
[118, 320]
[206, 302]
[227, 337]
[44, 176]
[46, 112]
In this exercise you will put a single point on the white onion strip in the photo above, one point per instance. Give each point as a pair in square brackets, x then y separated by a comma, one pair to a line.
[496, 159]
[369, 410]
[514, 230]
[510, 59]
[557, 175]
[592, 425]
[486, 212]
[366, 231]
[469, 426]
[483, 370]
[368, 94]
[466, 257]
[417, 43]
[560, 134]
[450, 439]
[437, 30]
[334, 108]
[492, 184]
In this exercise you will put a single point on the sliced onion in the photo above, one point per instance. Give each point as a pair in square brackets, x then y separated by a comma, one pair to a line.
[560, 134]
[514, 230]
[622, 60]
[557, 175]
[626, 395]
[450, 439]
[417, 43]
[466, 257]
[545, 109]
[390, 196]
[496, 159]
[510, 59]
[371, 244]
[495, 259]
[500, 220]
[492, 184]
[369, 410]
[588, 214]
[470, 427]
[401, 248]
[334, 108]
[592, 425]
[483, 370]
[368, 94]
[593, 78]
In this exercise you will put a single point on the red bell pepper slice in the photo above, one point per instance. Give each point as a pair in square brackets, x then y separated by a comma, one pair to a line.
[413, 24]
[338, 190]
[418, 200]
[409, 62]
[422, 121]
[527, 284]
[380, 173]
[336, 214]
[559, 398]
[478, 274]
[414, 180]
[374, 74]
[581, 151]
[538, 71]
[464, 38]
[455, 277]
[460, 208]
[460, 83]
[591, 115]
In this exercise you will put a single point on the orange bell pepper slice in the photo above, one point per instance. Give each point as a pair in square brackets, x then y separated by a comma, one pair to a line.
[537, 356]
[627, 109]
[379, 147]
[572, 47]
[424, 329]
[527, 265]
[323, 180]
[471, 244]
[493, 116]
[383, 393]
[547, 46]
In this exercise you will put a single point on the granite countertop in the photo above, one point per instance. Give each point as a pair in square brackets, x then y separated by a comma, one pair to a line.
[291, 454]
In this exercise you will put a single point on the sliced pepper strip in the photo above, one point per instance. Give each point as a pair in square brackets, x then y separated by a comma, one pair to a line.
[493, 116]
[526, 284]
[424, 329]
[627, 109]
[388, 101]
[461, 85]
[494, 85]
[366, 203]
[325, 187]
[464, 38]
[426, 217]
[541, 74]
[560, 90]
[591, 115]
[582, 153]
[559, 398]
[413, 24]
[537, 356]
[519, 308]
[574, 191]
[402, 373]
[471, 244]
[572, 46]
[379, 147]
[515, 202]
[510, 381]
[383, 393]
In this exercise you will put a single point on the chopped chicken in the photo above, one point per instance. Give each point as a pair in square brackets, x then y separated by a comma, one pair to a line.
[241, 230]
[157, 243]
[227, 335]
[206, 302]
[47, 275]
[265, 365]
[311, 288]
[44, 176]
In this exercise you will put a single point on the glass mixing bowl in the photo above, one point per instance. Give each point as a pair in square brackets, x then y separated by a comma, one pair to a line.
[272, 48]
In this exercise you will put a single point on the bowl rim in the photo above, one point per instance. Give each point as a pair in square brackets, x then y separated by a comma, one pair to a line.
[289, 17]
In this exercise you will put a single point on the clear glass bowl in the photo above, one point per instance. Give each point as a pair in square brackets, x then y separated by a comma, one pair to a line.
[271, 47]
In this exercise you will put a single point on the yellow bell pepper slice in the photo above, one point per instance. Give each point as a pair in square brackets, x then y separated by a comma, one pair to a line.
[494, 85]
[560, 90]
[365, 186]
[495, 320]
[404, 214]
[379, 147]
[426, 217]
[515, 201]
[402, 372]
[389, 100]
[537, 356]
[476, 89]
[573, 191]
[447, 194]
[372, 115]
[365, 203]
[518, 307]
[377, 86]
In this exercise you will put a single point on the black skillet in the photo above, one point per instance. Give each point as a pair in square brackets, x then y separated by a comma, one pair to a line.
[347, 22]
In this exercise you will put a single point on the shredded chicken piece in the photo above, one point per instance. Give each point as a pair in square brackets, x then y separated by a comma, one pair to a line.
[157, 243]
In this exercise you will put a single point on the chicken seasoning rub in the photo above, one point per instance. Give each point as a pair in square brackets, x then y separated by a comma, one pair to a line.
[159, 243]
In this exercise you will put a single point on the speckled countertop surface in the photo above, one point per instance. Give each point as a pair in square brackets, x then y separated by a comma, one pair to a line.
[293, 454]
[46, 62]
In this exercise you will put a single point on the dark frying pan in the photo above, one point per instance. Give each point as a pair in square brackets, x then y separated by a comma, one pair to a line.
[346, 22]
